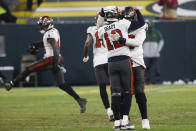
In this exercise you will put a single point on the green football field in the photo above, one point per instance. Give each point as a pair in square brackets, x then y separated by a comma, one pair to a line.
[170, 108]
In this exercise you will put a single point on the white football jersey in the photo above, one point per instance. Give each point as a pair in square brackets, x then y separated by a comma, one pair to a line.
[52, 33]
[99, 50]
[121, 27]
[137, 38]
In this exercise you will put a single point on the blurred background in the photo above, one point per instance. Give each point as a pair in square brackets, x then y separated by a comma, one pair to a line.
[174, 19]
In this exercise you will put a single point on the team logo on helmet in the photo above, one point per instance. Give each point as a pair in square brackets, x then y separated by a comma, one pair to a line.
[129, 12]
[111, 13]
[45, 23]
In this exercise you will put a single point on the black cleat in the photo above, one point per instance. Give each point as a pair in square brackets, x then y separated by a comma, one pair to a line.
[82, 102]
[8, 86]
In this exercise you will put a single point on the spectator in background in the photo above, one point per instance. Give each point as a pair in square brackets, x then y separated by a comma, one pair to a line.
[30, 4]
[169, 11]
[5, 14]
[152, 47]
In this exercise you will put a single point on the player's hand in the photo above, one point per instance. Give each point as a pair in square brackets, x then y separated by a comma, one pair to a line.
[115, 37]
[122, 40]
[85, 59]
[102, 13]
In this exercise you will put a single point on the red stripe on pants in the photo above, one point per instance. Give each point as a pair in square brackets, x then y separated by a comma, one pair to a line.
[41, 64]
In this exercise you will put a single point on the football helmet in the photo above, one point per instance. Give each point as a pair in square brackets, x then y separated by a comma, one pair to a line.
[111, 13]
[129, 13]
[45, 23]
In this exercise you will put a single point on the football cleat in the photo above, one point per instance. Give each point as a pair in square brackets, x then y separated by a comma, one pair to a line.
[110, 114]
[82, 102]
[145, 124]
[111, 118]
[116, 125]
[127, 127]
[8, 85]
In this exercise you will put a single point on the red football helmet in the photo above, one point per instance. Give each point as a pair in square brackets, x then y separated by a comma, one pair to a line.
[129, 12]
[111, 13]
[45, 23]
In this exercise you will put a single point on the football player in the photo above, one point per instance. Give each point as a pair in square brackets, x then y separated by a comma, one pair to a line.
[134, 41]
[119, 65]
[52, 60]
[100, 63]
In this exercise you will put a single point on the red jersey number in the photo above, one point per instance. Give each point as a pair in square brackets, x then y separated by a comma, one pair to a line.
[114, 44]
[98, 43]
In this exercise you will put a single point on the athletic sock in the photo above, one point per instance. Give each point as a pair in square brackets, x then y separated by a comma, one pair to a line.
[104, 95]
[116, 106]
[67, 88]
[126, 104]
[141, 101]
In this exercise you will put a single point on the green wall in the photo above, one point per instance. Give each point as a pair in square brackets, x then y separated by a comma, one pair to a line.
[177, 56]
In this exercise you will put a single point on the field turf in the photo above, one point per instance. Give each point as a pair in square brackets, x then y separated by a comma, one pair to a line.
[170, 108]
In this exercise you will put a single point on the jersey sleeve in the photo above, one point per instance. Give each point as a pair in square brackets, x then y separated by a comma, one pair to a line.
[89, 30]
[53, 34]
[101, 32]
[139, 38]
[125, 23]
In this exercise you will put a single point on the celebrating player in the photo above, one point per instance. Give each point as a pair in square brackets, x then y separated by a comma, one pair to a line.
[52, 60]
[119, 65]
[135, 40]
[100, 63]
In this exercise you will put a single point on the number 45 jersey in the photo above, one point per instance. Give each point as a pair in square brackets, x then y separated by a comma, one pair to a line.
[114, 48]
[99, 50]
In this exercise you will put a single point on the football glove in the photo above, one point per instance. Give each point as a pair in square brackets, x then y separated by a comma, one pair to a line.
[85, 59]
[122, 40]
[102, 13]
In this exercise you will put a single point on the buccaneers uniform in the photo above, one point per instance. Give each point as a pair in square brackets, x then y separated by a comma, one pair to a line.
[52, 60]
[119, 65]
[134, 41]
[100, 63]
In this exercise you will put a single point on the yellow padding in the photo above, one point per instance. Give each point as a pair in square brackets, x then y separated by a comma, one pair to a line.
[21, 21]
[96, 3]
[23, 7]
[76, 14]
[23, 14]
[26, 1]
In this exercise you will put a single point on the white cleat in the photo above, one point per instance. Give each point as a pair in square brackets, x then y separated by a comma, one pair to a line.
[125, 125]
[110, 114]
[145, 124]
[116, 125]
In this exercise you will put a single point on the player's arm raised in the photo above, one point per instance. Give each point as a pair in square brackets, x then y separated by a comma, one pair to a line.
[139, 23]
[89, 41]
